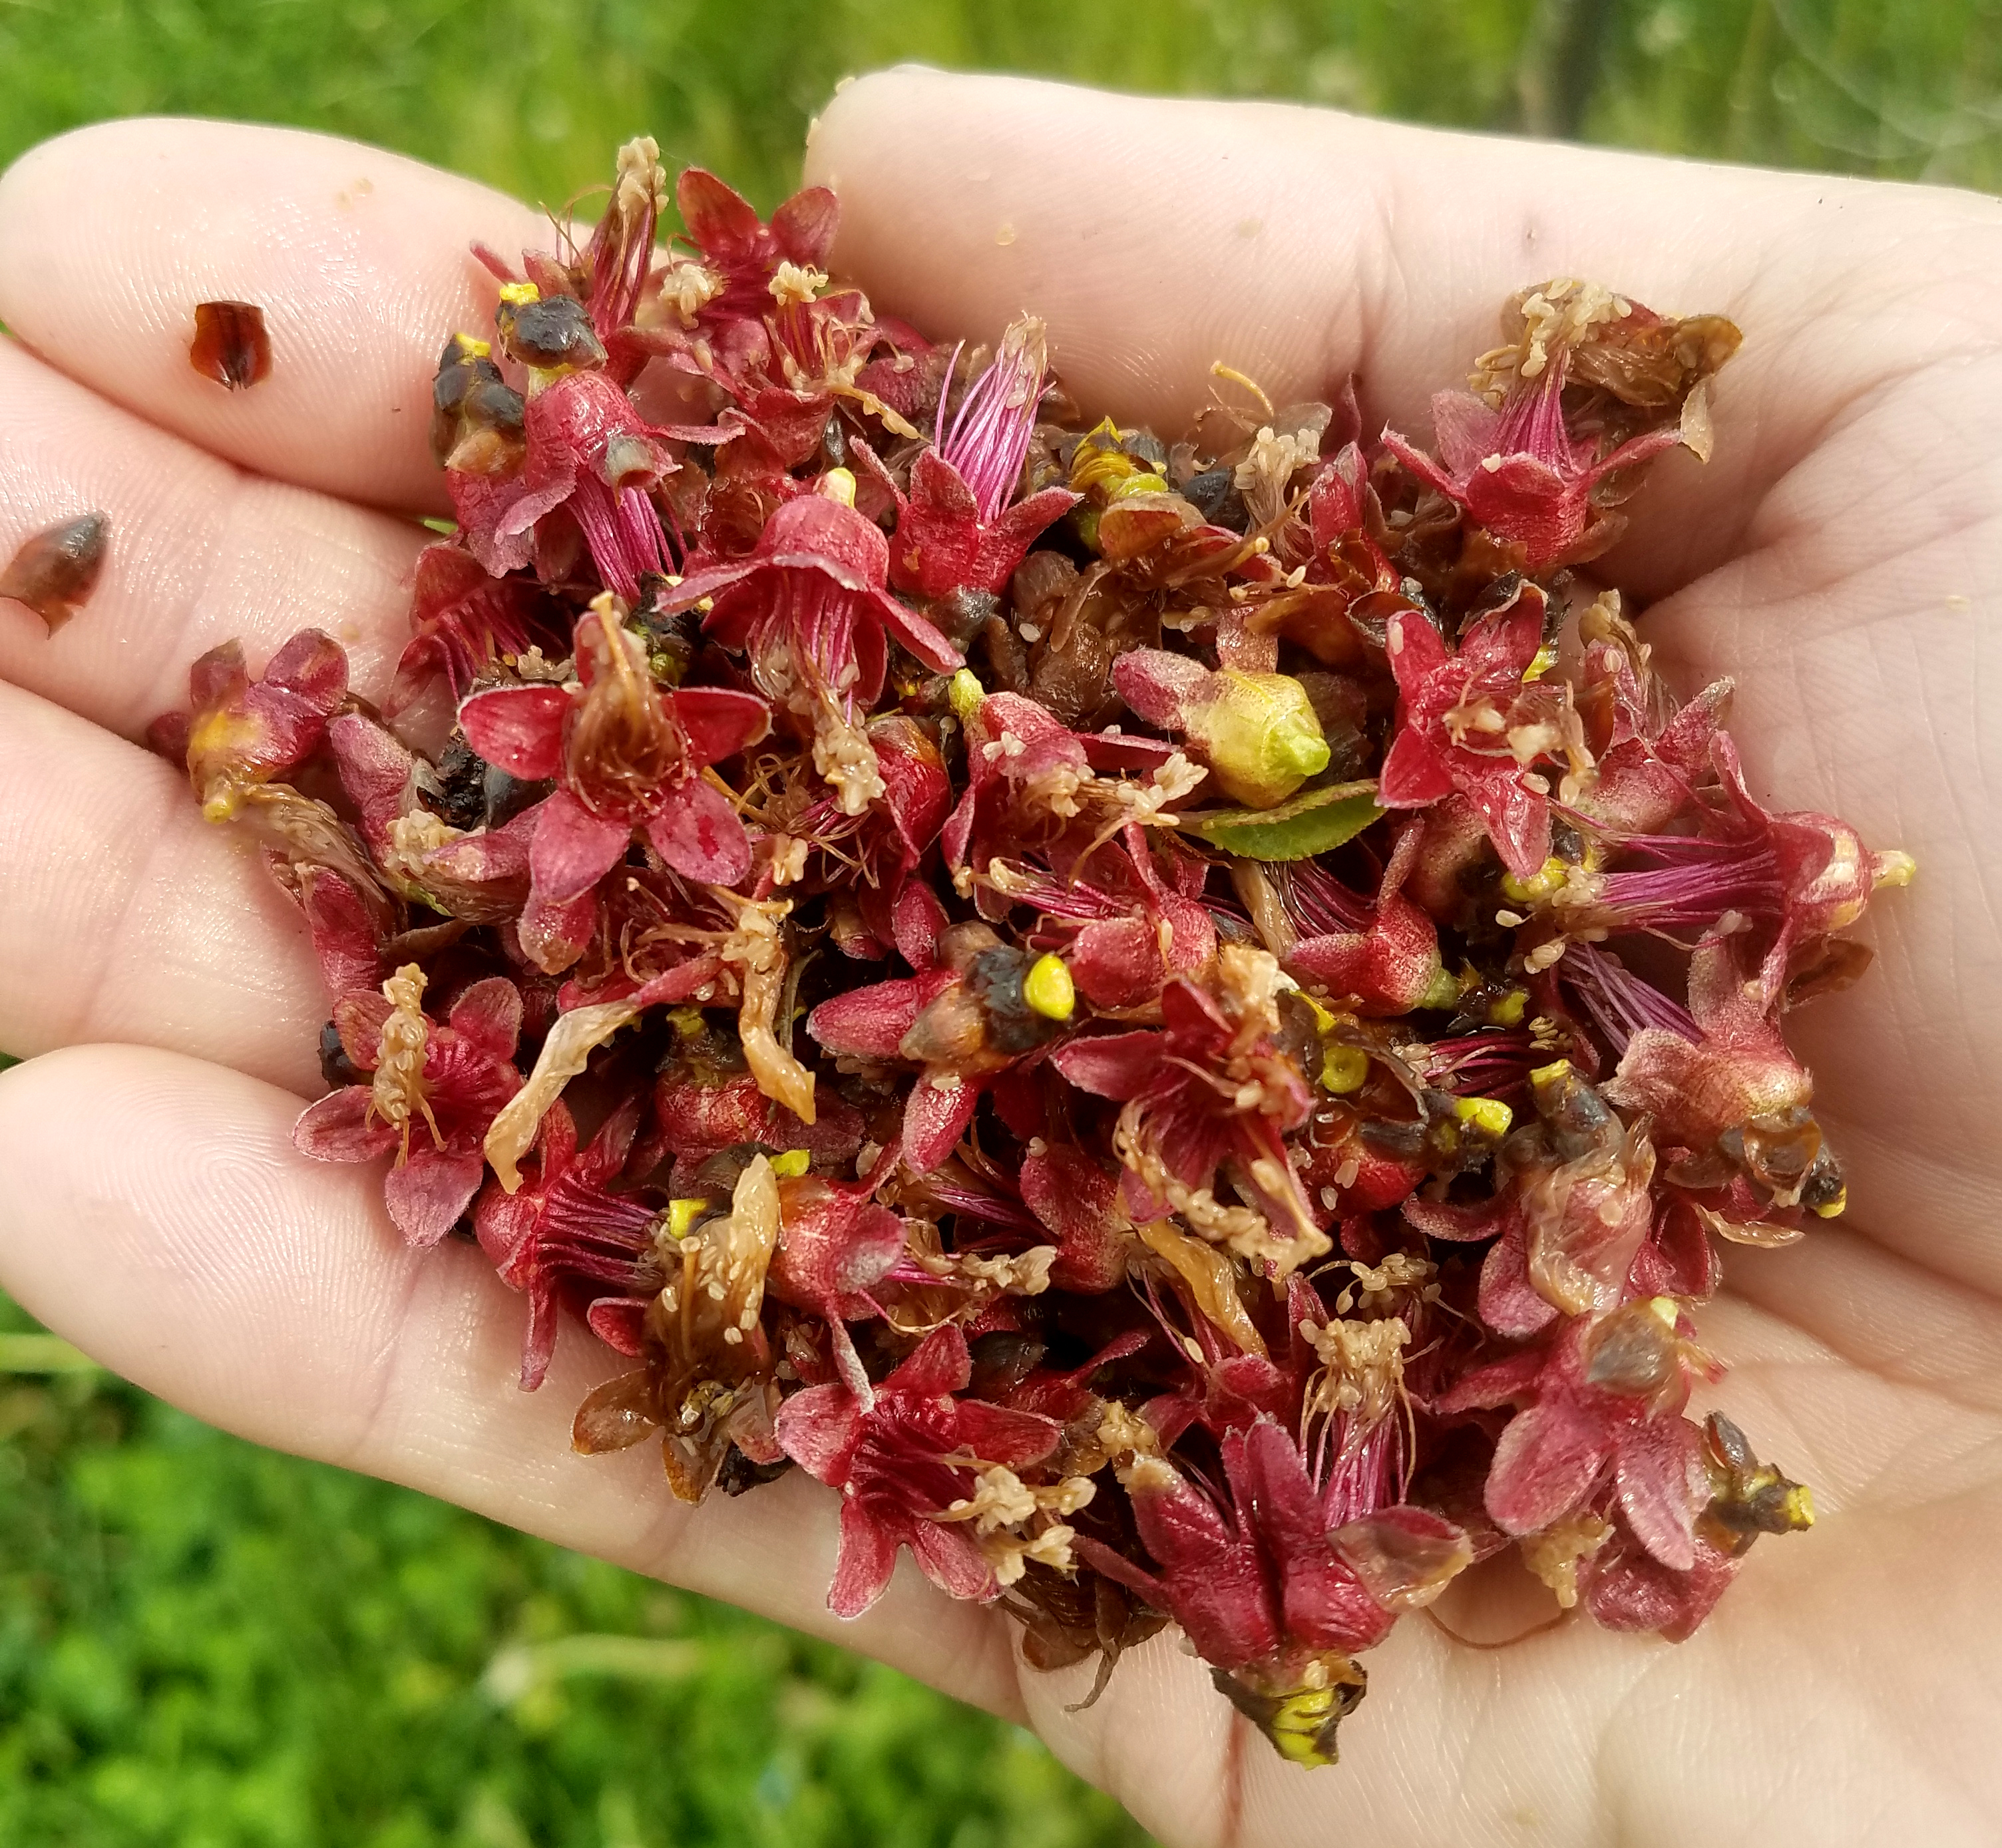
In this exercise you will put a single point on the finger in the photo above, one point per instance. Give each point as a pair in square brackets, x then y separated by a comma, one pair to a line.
[196, 1253]
[200, 552]
[1300, 246]
[110, 235]
[124, 915]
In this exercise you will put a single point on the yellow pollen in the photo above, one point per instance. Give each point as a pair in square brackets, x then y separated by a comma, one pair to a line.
[1548, 878]
[470, 347]
[682, 1215]
[1894, 868]
[1444, 991]
[837, 484]
[1833, 1210]
[1489, 1115]
[1547, 658]
[1049, 989]
[1509, 1011]
[1799, 1505]
[966, 693]
[1344, 1069]
[519, 294]
[792, 1164]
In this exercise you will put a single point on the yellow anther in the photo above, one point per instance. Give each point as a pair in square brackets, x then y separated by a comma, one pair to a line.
[1894, 868]
[1344, 1069]
[1509, 1011]
[1664, 1310]
[1833, 1209]
[1799, 1504]
[837, 484]
[1323, 1021]
[1488, 1115]
[966, 693]
[1049, 989]
[791, 1165]
[1548, 878]
[1139, 484]
[471, 346]
[519, 294]
[1547, 658]
[682, 1215]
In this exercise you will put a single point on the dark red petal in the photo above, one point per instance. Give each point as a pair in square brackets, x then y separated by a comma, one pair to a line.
[803, 227]
[951, 1559]
[870, 1023]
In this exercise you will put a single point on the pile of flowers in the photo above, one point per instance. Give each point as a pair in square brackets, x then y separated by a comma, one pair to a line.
[1178, 1021]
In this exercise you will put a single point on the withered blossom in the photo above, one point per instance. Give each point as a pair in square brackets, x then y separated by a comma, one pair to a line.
[1149, 1011]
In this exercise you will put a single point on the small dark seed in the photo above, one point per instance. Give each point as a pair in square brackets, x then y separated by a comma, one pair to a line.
[57, 569]
[230, 344]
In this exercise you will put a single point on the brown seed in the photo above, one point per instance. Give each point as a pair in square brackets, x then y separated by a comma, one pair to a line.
[57, 569]
[230, 344]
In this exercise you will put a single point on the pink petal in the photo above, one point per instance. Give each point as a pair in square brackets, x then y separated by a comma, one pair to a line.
[573, 848]
[818, 1428]
[520, 729]
[1119, 1065]
[934, 1120]
[1544, 1466]
[940, 1363]
[868, 1557]
[488, 1015]
[1661, 1488]
[428, 1193]
[696, 831]
[720, 721]
[949, 1556]
[870, 1023]
[335, 1128]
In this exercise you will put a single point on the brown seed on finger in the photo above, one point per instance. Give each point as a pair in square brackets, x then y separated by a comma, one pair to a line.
[230, 345]
[56, 569]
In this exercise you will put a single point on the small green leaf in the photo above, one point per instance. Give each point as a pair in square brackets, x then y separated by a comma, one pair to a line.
[1311, 822]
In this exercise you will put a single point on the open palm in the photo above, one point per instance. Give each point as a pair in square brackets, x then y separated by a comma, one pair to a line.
[1841, 557]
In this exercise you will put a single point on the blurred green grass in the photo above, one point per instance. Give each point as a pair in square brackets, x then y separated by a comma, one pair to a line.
[531, 96]
[207, 1645]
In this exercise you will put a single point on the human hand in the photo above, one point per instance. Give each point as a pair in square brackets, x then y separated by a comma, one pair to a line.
[1838, 557]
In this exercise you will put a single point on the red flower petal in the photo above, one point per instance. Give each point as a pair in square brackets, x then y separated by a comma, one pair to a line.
[428, 1193]
[573, 848]
[518, 728]
[697, 832]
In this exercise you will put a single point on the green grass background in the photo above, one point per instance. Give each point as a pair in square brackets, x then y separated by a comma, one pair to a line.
[206, 1645]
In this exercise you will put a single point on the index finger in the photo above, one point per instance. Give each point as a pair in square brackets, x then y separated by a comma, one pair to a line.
[111, 236]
